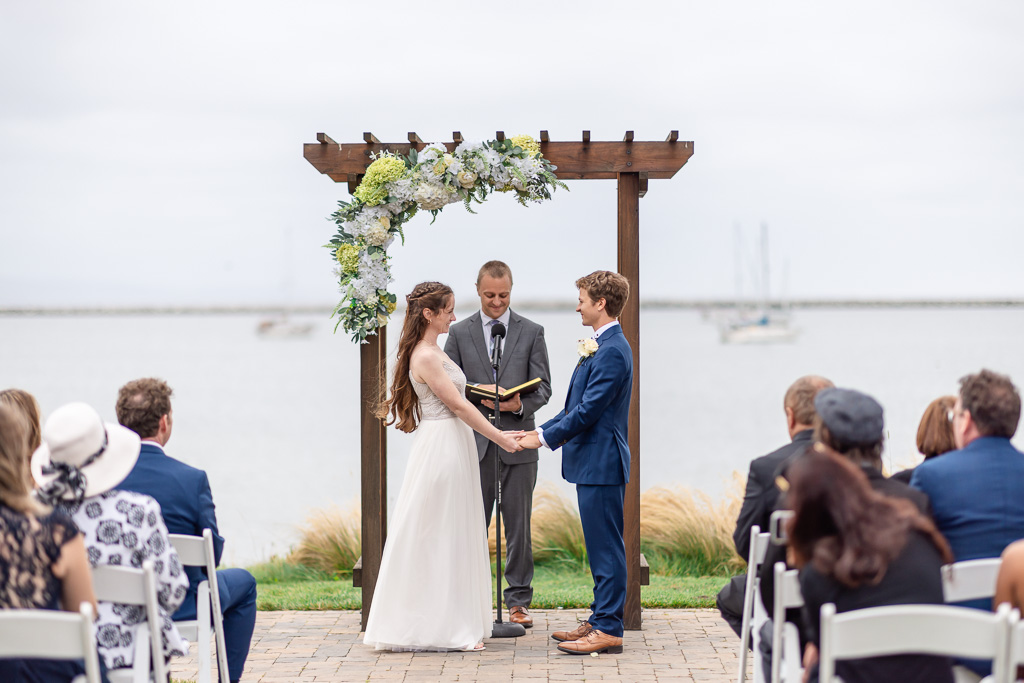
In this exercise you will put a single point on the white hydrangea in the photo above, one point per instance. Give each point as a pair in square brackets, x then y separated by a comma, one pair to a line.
[467, 147]
[432, 196]
[377, 235]
[432, 152]
[401, 189]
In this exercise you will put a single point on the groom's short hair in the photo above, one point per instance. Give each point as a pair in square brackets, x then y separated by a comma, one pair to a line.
[604, 284]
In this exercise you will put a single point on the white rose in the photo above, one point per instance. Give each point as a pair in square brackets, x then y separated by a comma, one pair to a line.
[586, 347]
[467, 179]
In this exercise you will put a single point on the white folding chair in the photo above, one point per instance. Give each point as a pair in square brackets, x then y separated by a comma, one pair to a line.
[970, 579]
[195, 551]
[50, 634]
[128, 586]
[943, 630]
[785, 638]
[1016, 647]
[777, 527]
[753, 613]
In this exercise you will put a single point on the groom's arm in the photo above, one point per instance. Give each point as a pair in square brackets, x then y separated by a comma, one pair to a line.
[605, 381]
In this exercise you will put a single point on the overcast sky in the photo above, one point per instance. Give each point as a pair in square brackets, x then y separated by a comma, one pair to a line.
[151, 153]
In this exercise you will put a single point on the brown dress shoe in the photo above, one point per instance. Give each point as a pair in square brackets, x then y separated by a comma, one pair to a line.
[579, 632]
[595, 641]
[520, 615]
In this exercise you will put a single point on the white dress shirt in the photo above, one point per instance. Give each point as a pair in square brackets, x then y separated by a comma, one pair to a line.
[487, 322]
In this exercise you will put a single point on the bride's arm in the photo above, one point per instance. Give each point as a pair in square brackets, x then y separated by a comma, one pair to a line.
[428, 366]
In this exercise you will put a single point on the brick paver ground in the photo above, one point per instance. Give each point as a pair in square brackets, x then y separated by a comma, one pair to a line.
[674, 645]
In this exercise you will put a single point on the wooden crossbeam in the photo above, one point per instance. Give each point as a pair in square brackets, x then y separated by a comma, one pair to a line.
[370, 139]
[628, 137]
[574, 160]
[672, 136]
[457, 137]
[544, 137]
[644, 177]
[324, 140]
[499, 135]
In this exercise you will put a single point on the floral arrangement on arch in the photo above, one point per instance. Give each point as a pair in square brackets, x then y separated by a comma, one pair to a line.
[396, 187]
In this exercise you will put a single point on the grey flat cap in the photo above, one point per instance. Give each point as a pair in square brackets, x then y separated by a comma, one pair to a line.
[851, 416]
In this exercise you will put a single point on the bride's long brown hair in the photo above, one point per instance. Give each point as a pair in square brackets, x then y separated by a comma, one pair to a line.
[403, 404]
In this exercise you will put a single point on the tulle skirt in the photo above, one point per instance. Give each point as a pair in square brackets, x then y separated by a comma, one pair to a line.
[434, 587]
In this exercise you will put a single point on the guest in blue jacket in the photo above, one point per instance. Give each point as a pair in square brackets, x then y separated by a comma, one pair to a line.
[144, 406]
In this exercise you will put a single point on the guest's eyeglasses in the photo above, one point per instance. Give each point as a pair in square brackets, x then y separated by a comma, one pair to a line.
[951, 414]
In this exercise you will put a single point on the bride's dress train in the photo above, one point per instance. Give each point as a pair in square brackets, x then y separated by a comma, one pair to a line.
[434, 587]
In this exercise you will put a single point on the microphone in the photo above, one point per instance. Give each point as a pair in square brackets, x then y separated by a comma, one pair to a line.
[497, 334]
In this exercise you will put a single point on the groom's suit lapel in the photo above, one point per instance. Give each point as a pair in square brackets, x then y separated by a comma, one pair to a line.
[590, 360]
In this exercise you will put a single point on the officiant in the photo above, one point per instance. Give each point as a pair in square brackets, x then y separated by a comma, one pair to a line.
[524, 357]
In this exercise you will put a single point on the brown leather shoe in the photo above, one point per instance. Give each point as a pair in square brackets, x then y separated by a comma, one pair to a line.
[579, 632]
[520, 615]
[595, 641]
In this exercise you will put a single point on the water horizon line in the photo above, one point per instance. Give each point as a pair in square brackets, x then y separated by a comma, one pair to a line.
[542, 305]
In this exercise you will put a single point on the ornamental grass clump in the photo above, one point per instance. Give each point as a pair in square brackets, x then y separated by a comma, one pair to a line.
[329, 541]
[683, 533]
[557, 532]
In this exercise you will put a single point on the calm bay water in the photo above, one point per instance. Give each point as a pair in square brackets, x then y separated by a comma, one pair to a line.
[274, 421]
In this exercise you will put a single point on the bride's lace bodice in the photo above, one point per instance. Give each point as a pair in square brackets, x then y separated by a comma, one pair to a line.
[431, 407]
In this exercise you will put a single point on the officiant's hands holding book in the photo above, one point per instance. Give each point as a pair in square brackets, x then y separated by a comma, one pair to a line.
[510, 405]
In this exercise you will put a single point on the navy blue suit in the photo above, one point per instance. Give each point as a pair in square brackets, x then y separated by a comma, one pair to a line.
[592, 432]
[187, 504]
[977, 496]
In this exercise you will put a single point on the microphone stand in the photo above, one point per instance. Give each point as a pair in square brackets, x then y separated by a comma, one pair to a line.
[499, 629]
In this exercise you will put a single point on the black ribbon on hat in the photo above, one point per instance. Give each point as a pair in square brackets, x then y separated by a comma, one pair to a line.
[70, 483]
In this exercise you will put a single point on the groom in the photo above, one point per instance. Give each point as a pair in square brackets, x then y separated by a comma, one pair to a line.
[591, 431]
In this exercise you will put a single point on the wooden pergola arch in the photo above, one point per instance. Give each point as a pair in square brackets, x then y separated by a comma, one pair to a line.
[633, 164]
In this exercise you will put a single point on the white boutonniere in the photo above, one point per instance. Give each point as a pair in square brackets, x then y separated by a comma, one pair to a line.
[586, 348]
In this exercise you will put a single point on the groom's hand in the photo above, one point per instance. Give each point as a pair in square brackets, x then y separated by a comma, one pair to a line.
[529, 440]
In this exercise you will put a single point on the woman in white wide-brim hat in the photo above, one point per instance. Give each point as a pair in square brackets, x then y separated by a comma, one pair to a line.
[78, 468]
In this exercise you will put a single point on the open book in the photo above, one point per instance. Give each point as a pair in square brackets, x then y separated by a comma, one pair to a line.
[477, 394]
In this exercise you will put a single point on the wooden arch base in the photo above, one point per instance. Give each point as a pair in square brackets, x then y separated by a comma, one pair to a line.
[633, 164]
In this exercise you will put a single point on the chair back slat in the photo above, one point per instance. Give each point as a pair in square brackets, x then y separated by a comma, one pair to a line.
[125, 585]
[777, 526]
[970, 579]
[49, 634]
[191, 549]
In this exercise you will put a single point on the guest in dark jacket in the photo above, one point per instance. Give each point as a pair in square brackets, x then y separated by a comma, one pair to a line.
[144, 406]
[934, 433]
[858, 548]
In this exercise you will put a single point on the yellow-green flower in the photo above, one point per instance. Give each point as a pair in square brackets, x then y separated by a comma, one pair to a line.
[390, 306]
[370, 195]
[384, 170]
[348, 257]
[527, 143]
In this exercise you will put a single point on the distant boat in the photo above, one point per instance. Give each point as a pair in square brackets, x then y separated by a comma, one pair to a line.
[283, 327]
[760, 324]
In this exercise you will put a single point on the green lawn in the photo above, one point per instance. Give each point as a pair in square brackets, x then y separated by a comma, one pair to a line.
[283, 587]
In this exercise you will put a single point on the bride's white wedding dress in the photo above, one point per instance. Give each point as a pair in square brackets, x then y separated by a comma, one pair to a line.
[434, 587]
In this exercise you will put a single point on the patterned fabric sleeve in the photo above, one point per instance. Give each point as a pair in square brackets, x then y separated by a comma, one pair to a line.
[64, 529]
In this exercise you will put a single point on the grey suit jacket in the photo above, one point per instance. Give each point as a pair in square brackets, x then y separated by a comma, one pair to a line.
[524, 356]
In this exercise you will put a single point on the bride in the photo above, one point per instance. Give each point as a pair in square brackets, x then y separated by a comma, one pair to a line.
[434, 587]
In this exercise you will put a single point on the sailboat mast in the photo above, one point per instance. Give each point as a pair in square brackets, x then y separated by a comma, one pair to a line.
[764, 266]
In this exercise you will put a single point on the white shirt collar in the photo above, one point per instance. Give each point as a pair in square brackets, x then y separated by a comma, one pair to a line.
[607, 326]
[155, 444]
[485, 321]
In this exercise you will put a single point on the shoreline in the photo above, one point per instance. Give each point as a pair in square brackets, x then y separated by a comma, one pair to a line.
[524, 305]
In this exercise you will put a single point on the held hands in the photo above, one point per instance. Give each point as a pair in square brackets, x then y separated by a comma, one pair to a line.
[529, 440]
[508, 442]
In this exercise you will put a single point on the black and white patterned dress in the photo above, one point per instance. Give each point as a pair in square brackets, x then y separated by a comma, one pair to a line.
[125, 528]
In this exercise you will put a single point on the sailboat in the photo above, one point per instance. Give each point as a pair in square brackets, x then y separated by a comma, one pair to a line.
[761, 323]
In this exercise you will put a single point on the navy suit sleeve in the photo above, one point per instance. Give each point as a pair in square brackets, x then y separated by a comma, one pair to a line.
[605, 381]
[207, 518]
[538, 368]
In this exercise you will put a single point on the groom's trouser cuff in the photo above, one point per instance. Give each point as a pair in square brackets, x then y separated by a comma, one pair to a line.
[601, 515]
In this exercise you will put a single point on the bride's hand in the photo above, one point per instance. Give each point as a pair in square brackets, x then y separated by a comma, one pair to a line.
[508, 442]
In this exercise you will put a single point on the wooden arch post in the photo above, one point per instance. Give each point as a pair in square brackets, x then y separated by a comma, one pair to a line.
[632, 164]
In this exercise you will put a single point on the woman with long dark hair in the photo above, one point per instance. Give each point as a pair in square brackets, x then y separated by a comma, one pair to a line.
[857, 548]
[433, 589]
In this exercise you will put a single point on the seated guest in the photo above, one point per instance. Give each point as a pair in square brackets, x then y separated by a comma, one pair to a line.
[857, 548]
[975, 491]
[77, 468]
[852, 424]
[144, 406]
[25, 403]
[934, 434]
[43, 563]
[762, 494]
[1010, 584]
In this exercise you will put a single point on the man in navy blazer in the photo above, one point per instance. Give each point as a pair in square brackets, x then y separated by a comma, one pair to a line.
[144, 406]
[977, 492]
[592, 432]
